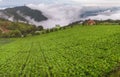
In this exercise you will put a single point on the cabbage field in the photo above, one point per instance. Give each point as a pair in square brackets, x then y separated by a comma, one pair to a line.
[81, 51]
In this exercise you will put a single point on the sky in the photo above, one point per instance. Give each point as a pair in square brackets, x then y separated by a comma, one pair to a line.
[12, 3]
[98, 2]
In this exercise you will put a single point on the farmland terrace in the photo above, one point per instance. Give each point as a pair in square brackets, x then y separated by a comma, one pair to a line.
[81, 51]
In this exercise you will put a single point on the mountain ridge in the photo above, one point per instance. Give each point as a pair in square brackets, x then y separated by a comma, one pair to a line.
[21, 12]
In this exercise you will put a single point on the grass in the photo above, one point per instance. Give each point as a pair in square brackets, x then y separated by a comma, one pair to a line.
[4, 41]
[81, 51]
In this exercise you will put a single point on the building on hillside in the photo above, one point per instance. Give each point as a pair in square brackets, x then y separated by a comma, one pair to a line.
[91, 22]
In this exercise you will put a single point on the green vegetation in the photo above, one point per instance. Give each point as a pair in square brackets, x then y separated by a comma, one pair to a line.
[80, 51]
[16, 29]
[4, 41]
[10, 29]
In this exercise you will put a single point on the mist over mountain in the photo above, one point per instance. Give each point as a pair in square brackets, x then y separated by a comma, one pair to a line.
[66, 14]
[20, 14]
[49, 15]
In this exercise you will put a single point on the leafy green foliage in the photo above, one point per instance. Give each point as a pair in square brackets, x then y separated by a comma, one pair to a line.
[40, 28]
[81, 51]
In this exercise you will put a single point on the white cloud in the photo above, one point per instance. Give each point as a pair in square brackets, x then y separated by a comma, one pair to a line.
[98, 2]
[66, 14]
[57, 14]
[2, 8]
[113, 16]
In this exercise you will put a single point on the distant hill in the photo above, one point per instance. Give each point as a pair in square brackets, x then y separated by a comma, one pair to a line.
[15, 29]
[21, 13]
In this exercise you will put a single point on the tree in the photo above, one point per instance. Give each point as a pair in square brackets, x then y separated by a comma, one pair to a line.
[16, 33]
[40, 28]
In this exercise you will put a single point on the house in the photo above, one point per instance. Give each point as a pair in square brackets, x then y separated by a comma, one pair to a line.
[91, 22]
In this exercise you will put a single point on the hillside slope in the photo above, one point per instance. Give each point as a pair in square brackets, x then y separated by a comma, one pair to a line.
[15, 29]
[22, 13]
[81, 51]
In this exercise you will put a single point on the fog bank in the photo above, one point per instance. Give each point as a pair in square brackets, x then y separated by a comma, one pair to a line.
[65, 14]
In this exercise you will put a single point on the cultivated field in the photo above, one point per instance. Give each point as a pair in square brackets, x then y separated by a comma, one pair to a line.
[81, 51]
